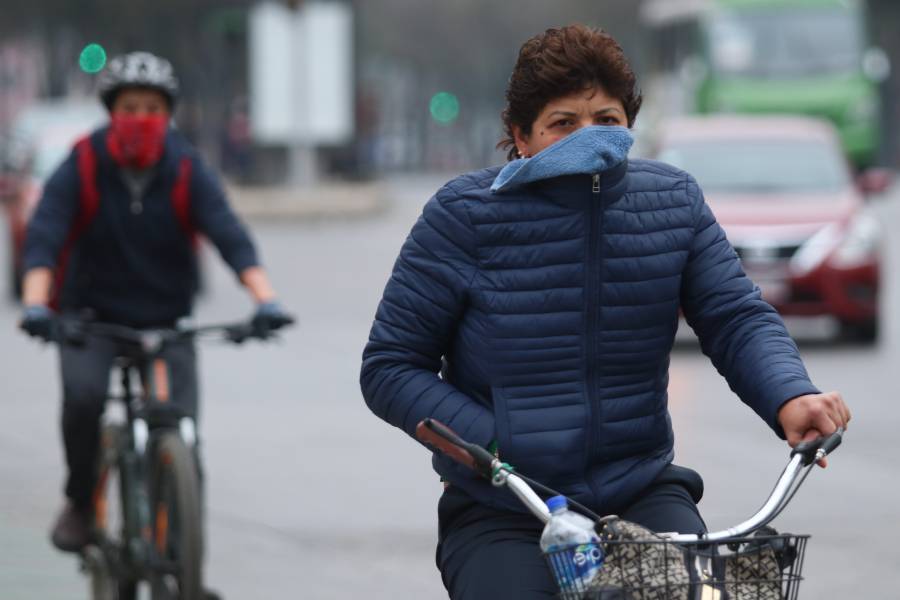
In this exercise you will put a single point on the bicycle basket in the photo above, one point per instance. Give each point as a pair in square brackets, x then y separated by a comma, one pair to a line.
[639, 565]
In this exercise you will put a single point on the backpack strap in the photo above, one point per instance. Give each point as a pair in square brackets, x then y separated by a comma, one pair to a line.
[181, 199]
[88, 204]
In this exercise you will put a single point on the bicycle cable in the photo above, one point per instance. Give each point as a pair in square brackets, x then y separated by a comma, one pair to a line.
[551, 492]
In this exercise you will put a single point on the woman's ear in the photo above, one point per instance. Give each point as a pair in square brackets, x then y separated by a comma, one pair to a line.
[521, 141]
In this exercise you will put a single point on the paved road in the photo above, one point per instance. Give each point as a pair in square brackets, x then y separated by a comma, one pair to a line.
[310, 496]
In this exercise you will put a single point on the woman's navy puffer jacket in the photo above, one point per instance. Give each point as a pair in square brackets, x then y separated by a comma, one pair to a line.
[550, 311]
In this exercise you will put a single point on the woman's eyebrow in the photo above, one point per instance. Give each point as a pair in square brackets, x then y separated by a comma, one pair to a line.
[562, 113]
[608, 109]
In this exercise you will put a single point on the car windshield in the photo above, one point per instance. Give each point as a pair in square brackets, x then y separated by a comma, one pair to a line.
[47, 159]
[760, 166]
[786, 43]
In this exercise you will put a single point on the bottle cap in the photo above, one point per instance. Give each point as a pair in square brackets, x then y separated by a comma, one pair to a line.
[557, 503]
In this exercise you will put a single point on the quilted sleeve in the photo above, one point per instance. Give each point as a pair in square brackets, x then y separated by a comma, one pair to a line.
[742, 334]
[424, 299]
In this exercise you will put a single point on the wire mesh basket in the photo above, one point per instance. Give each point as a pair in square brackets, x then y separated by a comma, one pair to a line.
[761, 567]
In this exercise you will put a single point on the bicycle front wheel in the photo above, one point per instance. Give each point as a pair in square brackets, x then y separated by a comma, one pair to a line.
[176, 520]
[108, 562]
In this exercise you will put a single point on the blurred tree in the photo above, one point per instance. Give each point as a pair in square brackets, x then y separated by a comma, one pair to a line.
[885, 19]
[464, 46]
[407, 51]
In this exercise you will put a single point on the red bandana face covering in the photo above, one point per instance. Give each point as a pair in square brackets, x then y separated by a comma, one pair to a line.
[136, 141]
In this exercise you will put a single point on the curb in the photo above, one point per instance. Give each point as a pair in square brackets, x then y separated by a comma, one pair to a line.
[327, 200]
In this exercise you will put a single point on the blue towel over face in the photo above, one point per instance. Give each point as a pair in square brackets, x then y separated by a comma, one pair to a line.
[587, 151]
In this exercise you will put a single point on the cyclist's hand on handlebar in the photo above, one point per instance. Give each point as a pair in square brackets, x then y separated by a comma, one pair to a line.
[806, 417]
[269, 317]
[38, 321]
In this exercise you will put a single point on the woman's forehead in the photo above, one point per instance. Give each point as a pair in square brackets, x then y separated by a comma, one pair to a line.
[593, 98]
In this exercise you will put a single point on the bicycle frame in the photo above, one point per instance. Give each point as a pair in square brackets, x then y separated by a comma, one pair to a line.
[803, 459]
[149, 420]
[133, 452]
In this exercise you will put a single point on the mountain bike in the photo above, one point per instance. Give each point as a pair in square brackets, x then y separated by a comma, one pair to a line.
[749, 561]
[147, 503]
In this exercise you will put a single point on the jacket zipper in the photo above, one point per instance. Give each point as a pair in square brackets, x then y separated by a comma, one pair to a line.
[593, 304]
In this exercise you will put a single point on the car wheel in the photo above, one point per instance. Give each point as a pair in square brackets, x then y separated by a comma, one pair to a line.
[15, 282]
[865, 332]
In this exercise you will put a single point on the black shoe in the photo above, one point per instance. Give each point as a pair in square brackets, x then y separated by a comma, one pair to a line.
[72, 530]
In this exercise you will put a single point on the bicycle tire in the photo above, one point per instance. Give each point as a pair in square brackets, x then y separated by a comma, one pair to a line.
[106, 584]
[176, 519]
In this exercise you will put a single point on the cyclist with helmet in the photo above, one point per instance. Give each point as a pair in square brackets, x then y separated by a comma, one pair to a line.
[113, 237]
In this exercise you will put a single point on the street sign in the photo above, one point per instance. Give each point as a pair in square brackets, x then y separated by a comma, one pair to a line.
[301, 73]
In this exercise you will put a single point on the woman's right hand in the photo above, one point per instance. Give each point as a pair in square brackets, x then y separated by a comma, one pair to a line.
[810, 416]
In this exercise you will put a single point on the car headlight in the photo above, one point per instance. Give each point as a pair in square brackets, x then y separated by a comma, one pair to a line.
[860, 242]
[815, 250]
[844, 247]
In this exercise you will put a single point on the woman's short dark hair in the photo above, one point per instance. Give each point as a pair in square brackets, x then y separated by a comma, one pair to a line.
[560, 62]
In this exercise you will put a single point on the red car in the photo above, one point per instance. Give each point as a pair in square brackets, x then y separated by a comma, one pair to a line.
[41, 138]
[791, 207]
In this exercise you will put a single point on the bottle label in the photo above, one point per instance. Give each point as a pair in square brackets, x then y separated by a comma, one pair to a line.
[576, 566]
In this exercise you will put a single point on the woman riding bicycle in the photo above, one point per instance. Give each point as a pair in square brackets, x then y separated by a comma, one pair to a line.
[547, 294]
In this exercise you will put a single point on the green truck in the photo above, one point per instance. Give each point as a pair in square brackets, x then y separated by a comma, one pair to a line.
[773, 56]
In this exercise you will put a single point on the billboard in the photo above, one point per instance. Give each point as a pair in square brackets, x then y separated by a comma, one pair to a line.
[301, 73]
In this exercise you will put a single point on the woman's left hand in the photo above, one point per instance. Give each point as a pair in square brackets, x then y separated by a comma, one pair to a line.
[808, 417]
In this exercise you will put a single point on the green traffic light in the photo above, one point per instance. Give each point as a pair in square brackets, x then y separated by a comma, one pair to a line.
[444, 107]
[92, 59]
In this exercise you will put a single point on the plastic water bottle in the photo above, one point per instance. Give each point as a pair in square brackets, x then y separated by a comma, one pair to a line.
[572, 545]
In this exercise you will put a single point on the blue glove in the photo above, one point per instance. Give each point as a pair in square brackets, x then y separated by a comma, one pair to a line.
[270, 316]
[38, 321]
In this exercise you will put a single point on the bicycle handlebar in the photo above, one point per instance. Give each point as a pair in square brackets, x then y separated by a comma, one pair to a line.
[819, 448]
[442, 439]
[152, 340]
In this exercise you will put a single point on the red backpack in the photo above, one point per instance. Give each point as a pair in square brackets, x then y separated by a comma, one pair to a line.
[89, 203]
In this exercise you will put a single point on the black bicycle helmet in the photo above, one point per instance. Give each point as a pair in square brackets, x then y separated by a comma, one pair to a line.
[141, 70]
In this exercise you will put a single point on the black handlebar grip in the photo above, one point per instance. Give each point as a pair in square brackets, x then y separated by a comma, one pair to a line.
[810, 448]
[833, 441]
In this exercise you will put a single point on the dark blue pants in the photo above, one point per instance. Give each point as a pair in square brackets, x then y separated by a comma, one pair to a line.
[486, 554]
[85, 377]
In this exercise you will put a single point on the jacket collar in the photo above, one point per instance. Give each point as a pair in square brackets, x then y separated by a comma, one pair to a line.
[588, 151]
[575, 190]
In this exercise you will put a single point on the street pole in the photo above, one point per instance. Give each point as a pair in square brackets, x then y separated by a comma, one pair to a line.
[303, 168]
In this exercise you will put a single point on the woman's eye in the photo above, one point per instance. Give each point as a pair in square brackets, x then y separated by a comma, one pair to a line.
[608, 121]
[562, 123]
